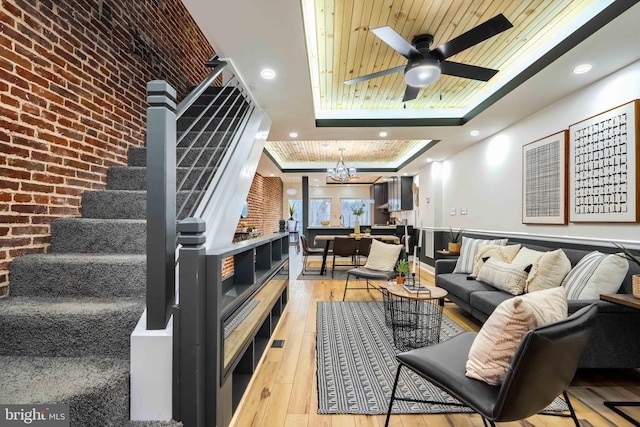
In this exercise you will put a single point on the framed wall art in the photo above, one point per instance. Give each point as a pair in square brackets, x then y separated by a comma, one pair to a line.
[544, 180]
[603, 157]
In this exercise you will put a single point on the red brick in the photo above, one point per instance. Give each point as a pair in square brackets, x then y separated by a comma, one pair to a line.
[25, 164]
[32, 229]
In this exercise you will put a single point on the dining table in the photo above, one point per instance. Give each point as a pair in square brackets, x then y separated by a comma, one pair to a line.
[330, 238]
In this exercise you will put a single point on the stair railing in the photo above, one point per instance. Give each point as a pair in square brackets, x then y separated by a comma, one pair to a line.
[162, 187]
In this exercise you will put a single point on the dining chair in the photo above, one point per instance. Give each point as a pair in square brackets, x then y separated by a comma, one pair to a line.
[345, 247]
[541, 369]
[364, 247]
[294, 235]
[306, 251]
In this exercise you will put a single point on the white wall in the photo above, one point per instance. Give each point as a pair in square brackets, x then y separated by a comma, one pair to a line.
[487, 177]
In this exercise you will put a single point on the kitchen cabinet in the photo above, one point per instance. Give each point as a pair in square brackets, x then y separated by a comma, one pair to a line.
[400, 193]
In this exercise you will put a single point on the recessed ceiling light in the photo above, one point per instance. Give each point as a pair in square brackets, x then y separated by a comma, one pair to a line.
[268, 73]
[293, 134]
[474, 133]
[383, 134]
[272, 174]
[325, 146]
[582, 68]
[429, 160]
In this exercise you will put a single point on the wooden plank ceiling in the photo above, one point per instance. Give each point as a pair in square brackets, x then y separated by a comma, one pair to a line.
[346, 48]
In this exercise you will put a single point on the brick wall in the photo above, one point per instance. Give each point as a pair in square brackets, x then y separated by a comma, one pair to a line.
[72, 94]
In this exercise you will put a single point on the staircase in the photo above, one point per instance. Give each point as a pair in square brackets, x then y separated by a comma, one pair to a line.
[65, 328]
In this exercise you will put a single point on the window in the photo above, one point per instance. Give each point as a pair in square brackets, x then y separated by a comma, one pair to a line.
[297, 204]
[347, 206]
[319, 210]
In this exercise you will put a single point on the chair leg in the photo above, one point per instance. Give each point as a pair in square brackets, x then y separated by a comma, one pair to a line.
[573, 413]
[346, 284]
[393, 396]
[491, 423]
[304, 263]
[333, 266]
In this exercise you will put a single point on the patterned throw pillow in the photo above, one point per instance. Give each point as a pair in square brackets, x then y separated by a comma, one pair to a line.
[496, 343]
[468, 252]
[504, 276]
[548, 271]
[596, 273]
[496, 252]
[383, 256]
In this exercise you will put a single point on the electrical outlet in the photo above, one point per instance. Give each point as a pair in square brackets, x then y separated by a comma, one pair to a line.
[453, 211]
[463, 211]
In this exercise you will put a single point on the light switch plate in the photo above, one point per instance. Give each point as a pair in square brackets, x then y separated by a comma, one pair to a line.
[453, 211]
[463, 211]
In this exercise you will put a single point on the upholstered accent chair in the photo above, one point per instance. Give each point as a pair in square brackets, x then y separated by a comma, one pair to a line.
[542, 368]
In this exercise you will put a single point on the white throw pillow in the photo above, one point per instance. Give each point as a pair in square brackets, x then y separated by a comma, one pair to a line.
[596, 273]
[497, 252]
[496, 343]
[382, 256]
[468, 252]
[548, 271]
[504, 276]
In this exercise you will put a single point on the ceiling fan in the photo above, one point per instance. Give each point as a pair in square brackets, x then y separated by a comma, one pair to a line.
[424, 66]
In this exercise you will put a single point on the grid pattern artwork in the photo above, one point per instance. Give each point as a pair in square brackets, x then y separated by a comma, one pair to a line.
[603, 178]
[544, 181]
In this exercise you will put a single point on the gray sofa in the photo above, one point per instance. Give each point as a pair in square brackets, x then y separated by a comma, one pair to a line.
[615, 342]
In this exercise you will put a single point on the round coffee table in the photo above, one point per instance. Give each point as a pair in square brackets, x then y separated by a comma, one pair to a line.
[415, 317]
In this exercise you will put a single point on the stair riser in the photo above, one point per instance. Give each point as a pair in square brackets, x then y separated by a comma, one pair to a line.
[114, 204]
[129, 178]
[76, 235]
[47, 275]
[65, 334]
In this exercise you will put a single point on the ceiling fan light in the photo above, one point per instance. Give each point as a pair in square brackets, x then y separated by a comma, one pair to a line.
[422, 72]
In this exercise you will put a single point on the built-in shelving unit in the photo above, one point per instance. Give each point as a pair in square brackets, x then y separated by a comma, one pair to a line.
[260, 274]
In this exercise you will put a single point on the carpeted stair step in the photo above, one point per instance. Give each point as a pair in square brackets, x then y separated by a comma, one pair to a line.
[153, 424]
[113, 204]
[68, 275]
[138, 156]
[135, 177]
[95, 388]
[91, 235]
[208, 138]
[215, 124]
[73, 327]
[222, 106]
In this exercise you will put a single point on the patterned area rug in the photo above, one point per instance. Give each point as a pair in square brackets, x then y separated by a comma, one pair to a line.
[232, 322]
[357, 365]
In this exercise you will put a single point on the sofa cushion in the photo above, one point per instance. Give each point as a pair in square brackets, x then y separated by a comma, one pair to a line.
[547, 271]
[458, 285]
[496, 252]
[382, 256]
[596, 274]
[487, 301]
[468, 252]
[493, 348]
[504, 276]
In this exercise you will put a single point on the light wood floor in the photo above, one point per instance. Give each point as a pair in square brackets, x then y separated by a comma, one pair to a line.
[283, 391]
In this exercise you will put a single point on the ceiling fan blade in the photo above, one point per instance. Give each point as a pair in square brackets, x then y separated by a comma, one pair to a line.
[410, 93]
[482, 32]
[395, 40]
[374, 75]
[467, 71]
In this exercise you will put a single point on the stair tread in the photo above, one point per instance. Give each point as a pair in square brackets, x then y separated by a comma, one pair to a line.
[80, 257]
[33, 306]
[40, 380]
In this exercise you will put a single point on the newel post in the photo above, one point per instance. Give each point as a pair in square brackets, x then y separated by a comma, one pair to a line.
[190, 325]
[161, 202]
